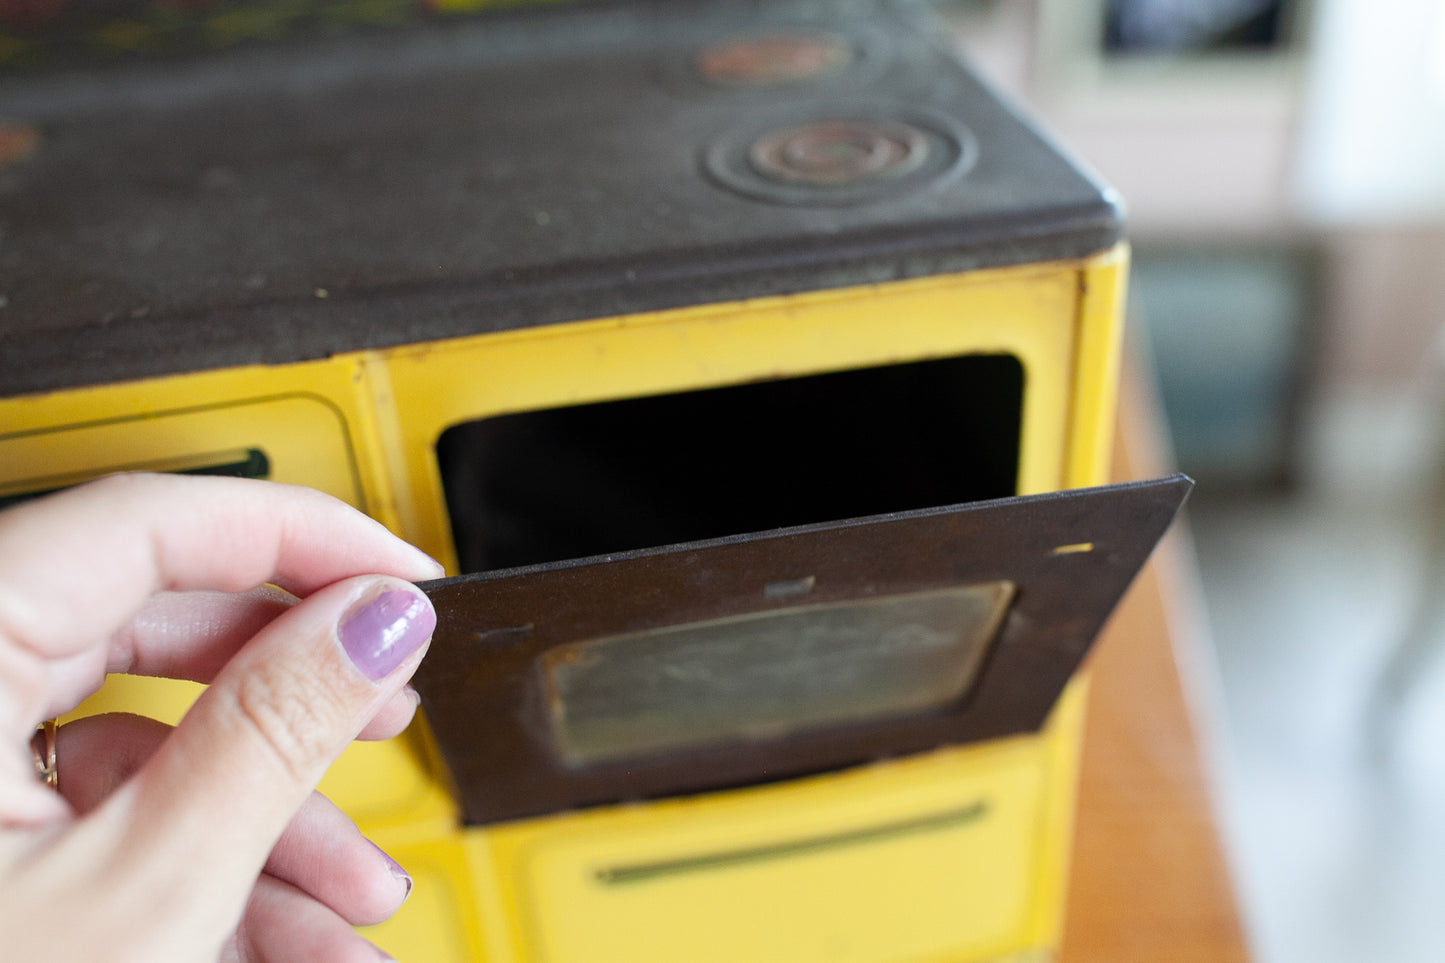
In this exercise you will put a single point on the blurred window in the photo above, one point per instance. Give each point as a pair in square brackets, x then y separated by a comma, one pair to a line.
[1192, 26]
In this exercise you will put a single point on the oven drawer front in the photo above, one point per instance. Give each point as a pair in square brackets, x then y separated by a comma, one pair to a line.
[934, 858]
[300, 439]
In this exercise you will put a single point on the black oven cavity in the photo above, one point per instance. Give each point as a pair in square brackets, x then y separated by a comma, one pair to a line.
[542, 486]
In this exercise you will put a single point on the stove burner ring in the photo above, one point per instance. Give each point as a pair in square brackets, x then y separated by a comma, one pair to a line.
[841, 155]
[839, 152]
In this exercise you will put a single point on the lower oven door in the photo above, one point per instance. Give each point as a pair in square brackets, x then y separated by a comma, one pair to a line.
[824, 743]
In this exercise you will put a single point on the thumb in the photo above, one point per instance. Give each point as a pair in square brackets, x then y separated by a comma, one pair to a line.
[211, 803]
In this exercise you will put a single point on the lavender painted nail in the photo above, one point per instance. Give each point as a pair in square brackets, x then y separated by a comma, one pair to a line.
[396, 871]
[379, 635]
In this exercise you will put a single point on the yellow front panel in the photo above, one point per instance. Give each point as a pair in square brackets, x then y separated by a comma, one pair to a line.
[949, 856]
[1025, 312]
[889, 862]
[303, 437]
[886, 863]
[866, 876]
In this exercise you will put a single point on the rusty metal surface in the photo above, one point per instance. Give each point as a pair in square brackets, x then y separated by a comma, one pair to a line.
[484, 686]
[513, 170]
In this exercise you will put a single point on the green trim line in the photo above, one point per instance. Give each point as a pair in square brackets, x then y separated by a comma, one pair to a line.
[253, 464]
[642, 872]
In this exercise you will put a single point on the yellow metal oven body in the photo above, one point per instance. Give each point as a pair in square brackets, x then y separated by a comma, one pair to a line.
[397, 282]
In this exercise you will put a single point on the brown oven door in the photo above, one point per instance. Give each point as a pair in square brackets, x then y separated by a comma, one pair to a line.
[761, 657]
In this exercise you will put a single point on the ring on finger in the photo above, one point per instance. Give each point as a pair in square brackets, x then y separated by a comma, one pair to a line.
[42, 747]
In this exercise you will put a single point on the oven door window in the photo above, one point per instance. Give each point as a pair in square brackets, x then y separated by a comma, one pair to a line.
[766, 675]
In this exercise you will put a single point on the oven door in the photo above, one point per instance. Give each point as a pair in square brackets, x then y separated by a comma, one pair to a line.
[763, 657]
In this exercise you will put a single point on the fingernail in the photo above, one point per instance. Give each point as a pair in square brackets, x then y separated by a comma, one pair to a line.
[380, 635]
[438, 569]
[396, 870]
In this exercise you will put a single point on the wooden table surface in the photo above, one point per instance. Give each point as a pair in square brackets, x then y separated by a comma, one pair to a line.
[1149, 881]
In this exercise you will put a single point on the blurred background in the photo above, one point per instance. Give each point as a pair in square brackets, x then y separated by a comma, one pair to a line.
[1283, 164]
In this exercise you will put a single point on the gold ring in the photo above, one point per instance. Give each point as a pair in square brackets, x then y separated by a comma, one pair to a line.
[42, 746]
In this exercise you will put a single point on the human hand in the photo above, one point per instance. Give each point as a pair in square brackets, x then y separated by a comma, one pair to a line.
[207, 841]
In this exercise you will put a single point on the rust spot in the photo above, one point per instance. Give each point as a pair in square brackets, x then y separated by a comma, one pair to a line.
[773, 60]
[17, 142]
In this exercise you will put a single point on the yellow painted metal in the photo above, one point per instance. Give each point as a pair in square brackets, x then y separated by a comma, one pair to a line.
[953, 856]
[1027, 312]
[1094, 396]
[935, 857]
[53, 440]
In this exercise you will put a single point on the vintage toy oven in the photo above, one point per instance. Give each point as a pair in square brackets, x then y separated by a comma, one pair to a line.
[592, 279]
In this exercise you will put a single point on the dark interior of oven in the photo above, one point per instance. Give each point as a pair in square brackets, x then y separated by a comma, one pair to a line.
[560, 483]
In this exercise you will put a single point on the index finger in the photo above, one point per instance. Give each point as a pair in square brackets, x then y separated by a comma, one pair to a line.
[79, 564]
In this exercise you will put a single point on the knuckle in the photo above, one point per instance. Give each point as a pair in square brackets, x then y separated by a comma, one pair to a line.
[295, 718]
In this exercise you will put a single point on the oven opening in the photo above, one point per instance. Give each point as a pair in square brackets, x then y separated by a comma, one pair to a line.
[561, 483]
